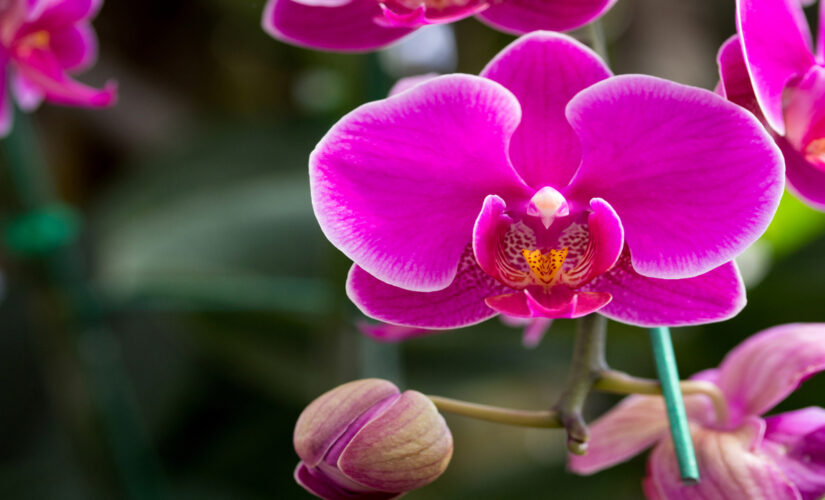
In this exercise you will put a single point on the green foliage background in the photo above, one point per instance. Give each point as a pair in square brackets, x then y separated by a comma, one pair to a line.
[226, 305]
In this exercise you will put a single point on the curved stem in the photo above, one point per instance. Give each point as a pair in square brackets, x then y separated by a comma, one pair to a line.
[621, 383]
[586, 367]
[522, 418]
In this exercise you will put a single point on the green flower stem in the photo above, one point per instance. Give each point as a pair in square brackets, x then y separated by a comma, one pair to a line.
[521, 418]
[621, 383]
[586, 367]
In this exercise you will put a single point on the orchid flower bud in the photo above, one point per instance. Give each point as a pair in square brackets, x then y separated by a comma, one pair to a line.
[368, 440]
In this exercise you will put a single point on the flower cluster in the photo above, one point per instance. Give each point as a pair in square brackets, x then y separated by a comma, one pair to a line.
[545, 188]
[42, 42]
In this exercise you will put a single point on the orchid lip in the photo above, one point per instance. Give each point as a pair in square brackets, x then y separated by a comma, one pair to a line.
[547, 204]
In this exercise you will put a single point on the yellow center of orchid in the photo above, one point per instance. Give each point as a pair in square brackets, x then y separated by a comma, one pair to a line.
[545, 266]
[37, 40]
[815, 151]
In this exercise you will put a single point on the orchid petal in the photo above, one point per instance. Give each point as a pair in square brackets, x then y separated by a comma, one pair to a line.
[820, 36]
[326, 419]
[638, 300]
[766, 368]
[544, 71]
[460, 304]
[74, 46]
[562, 302]
[42, 69]
[730, 466]
[402, 449]
[397, 184]
[318, 483]
[694, 178]
[348, 27]
[776, 43]
[805, 180]
[735, 80]
[796, 442]
[54, 14]
[523, 16]
[632, 426]
[27, 94]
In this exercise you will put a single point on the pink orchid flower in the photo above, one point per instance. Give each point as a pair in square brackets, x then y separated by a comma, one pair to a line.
[359, 25]
[770, 69]
[41, 43]
[742, 455]
[546, 188]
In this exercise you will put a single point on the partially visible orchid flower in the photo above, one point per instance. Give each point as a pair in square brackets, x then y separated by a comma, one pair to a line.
[741, 455]
[770, 68]
[545, 188]
[360, 25]
[368, 440]
[42, 42]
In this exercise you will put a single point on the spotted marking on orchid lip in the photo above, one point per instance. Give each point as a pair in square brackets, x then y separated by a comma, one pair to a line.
[545, 266]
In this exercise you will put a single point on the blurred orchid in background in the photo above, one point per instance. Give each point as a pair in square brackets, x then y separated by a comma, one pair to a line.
[741, 454]
[770, 69]
[463, 197]
[366, 439]
[43, 42]
[359, 25]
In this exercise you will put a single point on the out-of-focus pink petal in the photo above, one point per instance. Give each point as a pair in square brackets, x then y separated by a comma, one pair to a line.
[534, 328]
[730, 467]
[348, 27]
[42, 69]
[74, 46]
[410, 82]
[386, 332]
[397, 184]
[796, 442]
[820, 42]
[545, 70]
[54, 14]
[761, 371]
[522, 16]
[694, 178]
[777, 47]
[511, 304]
[625, 431]
[401, 13]
[805, 180]
[638, 300]
[460, 304]
[804, 114]
[735, 80]
[27, 95]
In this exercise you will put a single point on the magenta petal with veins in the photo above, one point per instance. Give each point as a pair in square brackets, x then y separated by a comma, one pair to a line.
[439, 195]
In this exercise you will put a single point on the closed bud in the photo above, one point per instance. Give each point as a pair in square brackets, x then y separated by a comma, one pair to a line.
[368, 440]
